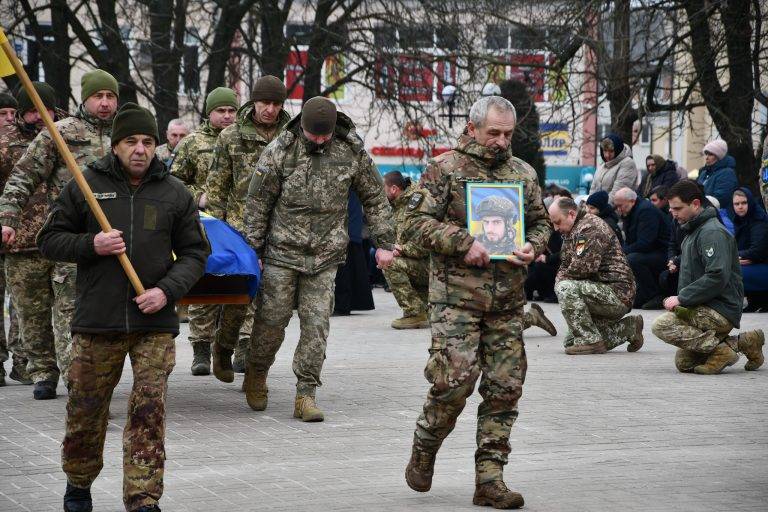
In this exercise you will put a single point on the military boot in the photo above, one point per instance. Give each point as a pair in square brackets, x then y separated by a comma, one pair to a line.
[44, 390]
[222, 363]
[496, 494]
[419, 321]
[687, 360]
[201, 360]
[19, 371]
[750, 344]
[306, 409]
[539, 319]
[720, 358]
[255, 387]
[591, 348]
[421, 467]
[77, 499]
[636, 343]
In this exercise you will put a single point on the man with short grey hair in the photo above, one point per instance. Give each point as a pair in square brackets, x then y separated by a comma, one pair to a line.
[177, 130]
[647, 232]
[477, 317]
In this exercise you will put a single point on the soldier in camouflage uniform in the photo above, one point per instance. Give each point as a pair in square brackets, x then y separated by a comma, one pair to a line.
[498, 216]
[408, 276]
[8, 106]
[296, 215]
[194, 158]
[477, 304]
[594, 285]
[87, 135]
[237, 150]
[177, 130]
[111, 321]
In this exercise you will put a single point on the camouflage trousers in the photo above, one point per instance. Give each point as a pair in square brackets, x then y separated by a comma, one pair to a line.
[465, 345]
[408, 278]
[234, 327]
[8, 344]
[274, 309]
[202, 322]
[701, 333]
[594, 314]
[43, 294]
[97, 363]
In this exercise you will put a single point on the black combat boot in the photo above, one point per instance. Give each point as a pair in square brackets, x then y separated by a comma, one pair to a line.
[77, 499]
[44, 390]
[201, 360]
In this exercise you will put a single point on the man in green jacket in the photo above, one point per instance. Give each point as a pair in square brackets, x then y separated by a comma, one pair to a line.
[710, 292]
[168, 249]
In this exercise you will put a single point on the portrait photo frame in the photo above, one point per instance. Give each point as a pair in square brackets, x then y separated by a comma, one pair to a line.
[496, 216]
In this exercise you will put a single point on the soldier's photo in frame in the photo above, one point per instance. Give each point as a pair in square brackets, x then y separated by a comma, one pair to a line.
[495, 217]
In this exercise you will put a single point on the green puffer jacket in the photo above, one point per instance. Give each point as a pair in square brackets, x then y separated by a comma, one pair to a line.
[710, 273]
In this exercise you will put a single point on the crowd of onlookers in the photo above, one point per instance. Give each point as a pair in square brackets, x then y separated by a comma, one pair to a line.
[633, 203]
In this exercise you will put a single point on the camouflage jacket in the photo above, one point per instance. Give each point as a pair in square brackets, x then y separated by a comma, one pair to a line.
[296, 209]
[164, 154]
[14, 140]
[591, 252]
[194, 156]
[237, 150]
[410, 248]
[437, 217]
[87, 137]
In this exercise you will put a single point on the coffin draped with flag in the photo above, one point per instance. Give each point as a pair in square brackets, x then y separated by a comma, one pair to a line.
[232, 272]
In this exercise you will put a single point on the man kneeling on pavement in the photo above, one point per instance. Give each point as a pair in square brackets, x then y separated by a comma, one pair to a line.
[710, 292]
[168, 250]
[595, 286]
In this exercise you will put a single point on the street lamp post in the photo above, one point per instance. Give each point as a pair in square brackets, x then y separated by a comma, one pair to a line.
[448, 96]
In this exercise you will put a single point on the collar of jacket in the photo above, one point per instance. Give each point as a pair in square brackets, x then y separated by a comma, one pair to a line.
[30, 130]
[692, 225]
[208, 129]
[89, 118]
[109, 164]
[248, 127]
[345, 129]
[580, 214]
[470, 147]
[403, 197]
[726, 162]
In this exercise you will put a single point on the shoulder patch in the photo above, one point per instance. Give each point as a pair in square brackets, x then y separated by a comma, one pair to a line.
[710, 252]
[581, 243]
[415, 200]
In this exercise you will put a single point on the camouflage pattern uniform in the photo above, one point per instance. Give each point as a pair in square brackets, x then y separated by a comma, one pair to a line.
[296, 215]
[408, 276]
[595, 285]
[97, 364]
[477, 313]
[88, 138]
[504, 208]
[194, 157]
[236, 153]
[165, 154]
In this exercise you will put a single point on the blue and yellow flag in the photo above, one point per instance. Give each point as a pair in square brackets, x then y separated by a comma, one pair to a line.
[6, 69]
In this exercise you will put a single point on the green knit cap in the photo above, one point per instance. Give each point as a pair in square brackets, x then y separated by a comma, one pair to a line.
[7, 101]
[46, 92]
[132, 119]
[97, 80]
[318, 116]
[220, 97]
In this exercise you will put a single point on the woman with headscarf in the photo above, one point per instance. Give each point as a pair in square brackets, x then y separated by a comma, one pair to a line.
[618, 169]
[751, 229]
[661, 172]
[718, 176]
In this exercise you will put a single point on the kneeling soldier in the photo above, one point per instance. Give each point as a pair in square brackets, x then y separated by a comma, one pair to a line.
[138, 197]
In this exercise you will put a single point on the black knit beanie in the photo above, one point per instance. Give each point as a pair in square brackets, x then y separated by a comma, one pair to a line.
[132, 119]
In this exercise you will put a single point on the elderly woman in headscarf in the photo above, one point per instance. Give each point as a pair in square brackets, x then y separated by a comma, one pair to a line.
[751, 229]
[618, 169]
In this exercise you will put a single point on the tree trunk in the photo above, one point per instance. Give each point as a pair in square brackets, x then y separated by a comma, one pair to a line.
[232, 13]
[619, 92]
[165, 17]
[118, 58]
[274, 49]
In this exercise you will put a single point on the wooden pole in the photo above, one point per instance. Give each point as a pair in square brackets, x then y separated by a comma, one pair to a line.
[69, 160]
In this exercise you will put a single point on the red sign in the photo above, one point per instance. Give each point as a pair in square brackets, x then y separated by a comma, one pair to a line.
[530, 69]
[294, 74]
[415, 78]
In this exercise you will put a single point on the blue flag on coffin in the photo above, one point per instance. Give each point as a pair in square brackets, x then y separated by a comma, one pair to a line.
[230, 253]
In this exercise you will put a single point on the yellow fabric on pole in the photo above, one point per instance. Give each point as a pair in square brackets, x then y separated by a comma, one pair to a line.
[6, 69]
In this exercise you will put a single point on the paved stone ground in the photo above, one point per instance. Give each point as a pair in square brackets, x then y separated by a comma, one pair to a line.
[596, 433]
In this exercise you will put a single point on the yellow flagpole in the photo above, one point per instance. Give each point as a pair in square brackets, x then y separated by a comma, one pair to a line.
[67, 155]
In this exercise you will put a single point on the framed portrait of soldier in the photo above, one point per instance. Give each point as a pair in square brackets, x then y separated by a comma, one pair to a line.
[495, 217]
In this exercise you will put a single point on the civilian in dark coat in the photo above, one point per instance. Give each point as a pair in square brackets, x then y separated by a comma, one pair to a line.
[647, 232]
[597, 204]
[751, 225]
[718, 176]
[543, 271]
[661, 172]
